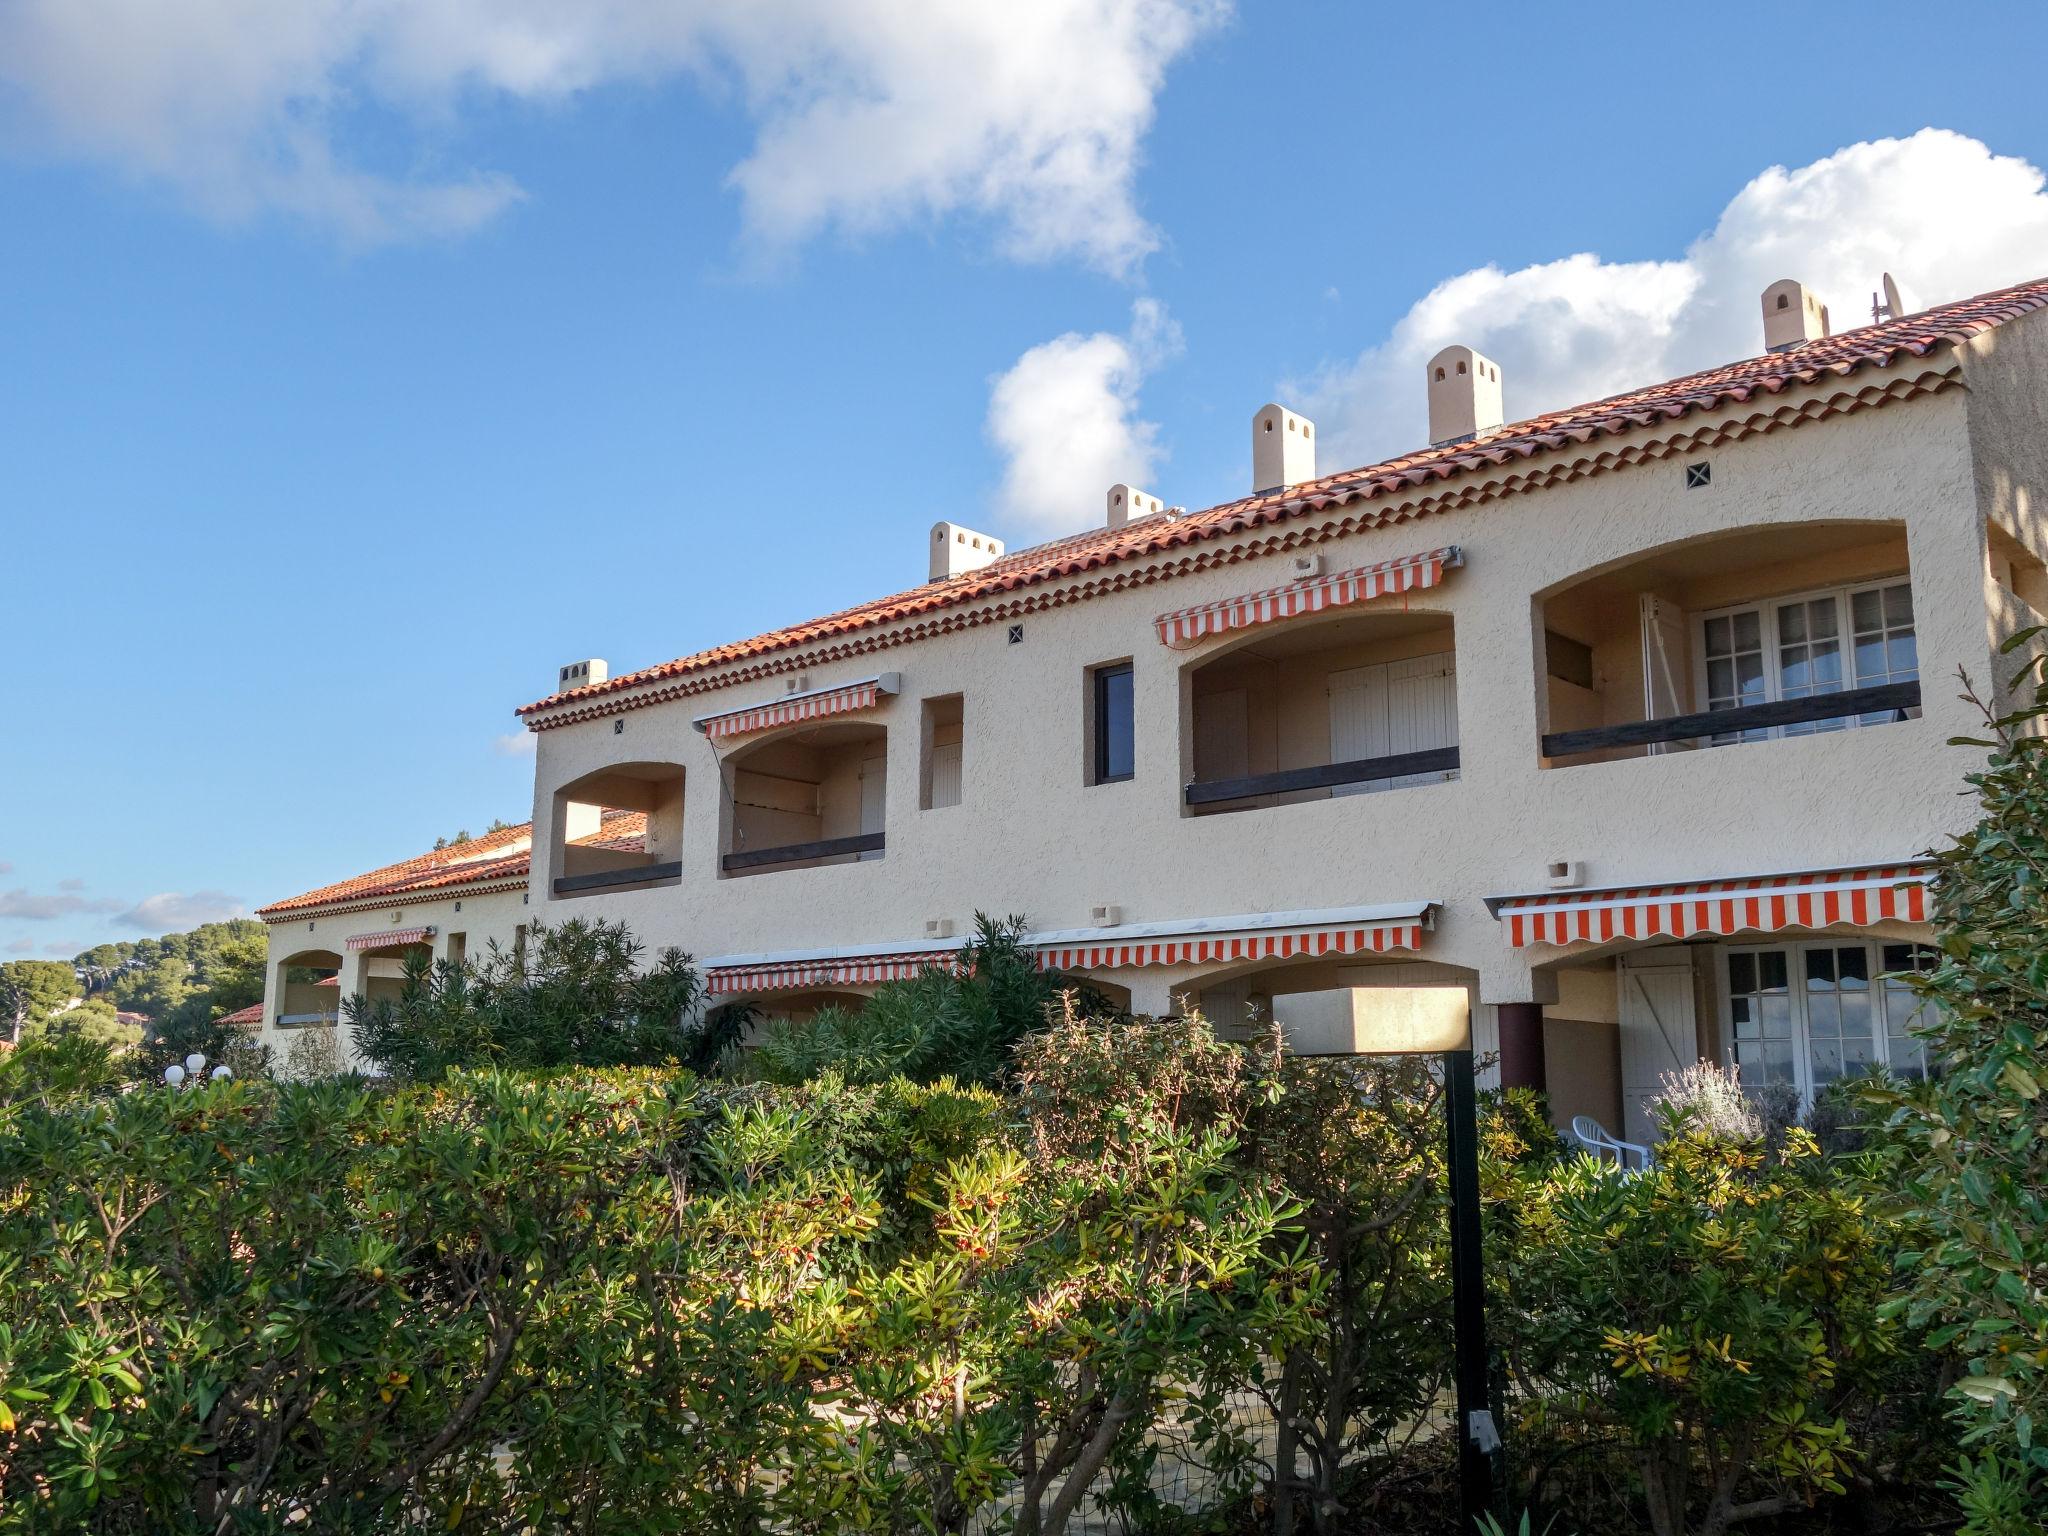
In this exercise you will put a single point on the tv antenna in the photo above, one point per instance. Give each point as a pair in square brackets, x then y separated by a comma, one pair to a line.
[1887, 305]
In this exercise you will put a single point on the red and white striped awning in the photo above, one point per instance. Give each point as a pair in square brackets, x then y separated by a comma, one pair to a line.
[1186, 626]
[390, 937]
[1187, 941]
[842, 699]
[851, 971]
[1747, 904]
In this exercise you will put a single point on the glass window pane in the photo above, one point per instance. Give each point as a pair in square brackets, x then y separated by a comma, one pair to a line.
[1717, 637]
[1749, 631]
[1902, 658]
[1770, 967]
[1820, 969]
[1898, 605]
[1867, 611]
[1742, 973]
[1853, 965]
[1114, 746]
[1750, 668]
[1821, 618]
[1720, 681]
[1791, 623]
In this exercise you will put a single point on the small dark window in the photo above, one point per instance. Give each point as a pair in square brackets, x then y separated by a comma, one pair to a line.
[1697, 475]
[1115, 758]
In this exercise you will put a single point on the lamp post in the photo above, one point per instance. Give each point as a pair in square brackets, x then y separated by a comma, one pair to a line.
[1437, 1021]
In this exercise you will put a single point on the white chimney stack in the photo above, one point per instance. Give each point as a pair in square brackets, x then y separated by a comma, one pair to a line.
[957, 550]
[1127, 504]
[1792, 316]
[581, 674]
[1283, 448]
[1464, 396]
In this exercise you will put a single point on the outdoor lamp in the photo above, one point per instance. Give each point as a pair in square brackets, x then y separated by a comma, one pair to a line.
[195, 1063]
[220, 1072]
[1434, 1021]
[174, 1074]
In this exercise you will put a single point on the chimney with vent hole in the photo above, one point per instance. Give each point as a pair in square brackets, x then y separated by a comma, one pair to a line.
[957, 550]
[581, 674]
[1792, 316]
[1283, 449]
[1127, 504]
[1464, 396]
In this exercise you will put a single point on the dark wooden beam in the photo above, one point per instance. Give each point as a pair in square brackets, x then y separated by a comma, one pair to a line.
[795, 853]
[1324, 776]
[607, 879]
[1882, 699]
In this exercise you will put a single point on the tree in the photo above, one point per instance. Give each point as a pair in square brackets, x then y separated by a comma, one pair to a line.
[1980, 1124]
[95, 1019]
[29, 989]
[573, 995]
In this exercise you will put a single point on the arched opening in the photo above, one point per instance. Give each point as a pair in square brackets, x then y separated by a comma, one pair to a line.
[805, 798]
[1750, 636]
[1347, 705]
[619, 828]
[308, 990]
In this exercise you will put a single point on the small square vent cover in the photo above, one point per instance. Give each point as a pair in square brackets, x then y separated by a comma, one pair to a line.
[1697, 475]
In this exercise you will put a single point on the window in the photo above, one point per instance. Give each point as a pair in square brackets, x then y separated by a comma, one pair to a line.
[1798, 647]
[1808, 1014]
[1113, 730]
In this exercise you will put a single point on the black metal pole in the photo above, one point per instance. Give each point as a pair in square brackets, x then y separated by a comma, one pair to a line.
[1476, 1432]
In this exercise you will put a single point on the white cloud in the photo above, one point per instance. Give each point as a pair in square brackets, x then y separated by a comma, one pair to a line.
[39, 907]
[515, 744]
[21, 947]
[1065, 420]
[178, 911]
[1938, 210]
[867, 113]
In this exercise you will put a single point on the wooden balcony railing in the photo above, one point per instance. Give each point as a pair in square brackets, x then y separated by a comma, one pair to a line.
[798, 853]
[612, 879]
[1884, 699]
[1324, 776]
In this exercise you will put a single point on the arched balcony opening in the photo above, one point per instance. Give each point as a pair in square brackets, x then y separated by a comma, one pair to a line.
[806, 798]
[308, 991]
[1787, 630]
[619, 828]
[1349, 705]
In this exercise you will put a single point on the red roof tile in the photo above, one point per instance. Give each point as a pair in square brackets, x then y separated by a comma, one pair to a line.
[504, 855]
[253, 1014]
[1834, 356]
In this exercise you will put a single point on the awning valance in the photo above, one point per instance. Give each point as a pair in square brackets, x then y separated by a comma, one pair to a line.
[390, 937]
[840, 699]
[1741, 904]
[1181, 941]
[1340, 589]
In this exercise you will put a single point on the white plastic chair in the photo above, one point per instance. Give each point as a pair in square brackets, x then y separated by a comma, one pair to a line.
[1596, 1139]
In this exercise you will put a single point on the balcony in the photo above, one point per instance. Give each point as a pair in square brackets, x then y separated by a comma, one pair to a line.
[807, 798]
[618, 829]
[1881, 704]
[1340, 706]
[820, 852]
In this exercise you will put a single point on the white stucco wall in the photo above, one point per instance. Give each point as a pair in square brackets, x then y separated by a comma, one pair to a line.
[1031, 837]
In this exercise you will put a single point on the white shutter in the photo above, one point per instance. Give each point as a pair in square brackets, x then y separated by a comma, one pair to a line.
[1222, 736]
[1665, 690]
[945, 778]
[1358, 721]
[1659, 1032]
[874, 779]
[1422, 710]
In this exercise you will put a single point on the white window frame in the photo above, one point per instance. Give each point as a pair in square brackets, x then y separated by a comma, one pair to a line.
[1883, 998]
[1766, 610]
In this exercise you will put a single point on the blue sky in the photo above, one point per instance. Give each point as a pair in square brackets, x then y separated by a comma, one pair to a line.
[360, 377]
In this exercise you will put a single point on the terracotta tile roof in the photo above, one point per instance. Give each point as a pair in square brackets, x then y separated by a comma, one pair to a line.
[253, 1014]
[1835, 356]
[504, 855]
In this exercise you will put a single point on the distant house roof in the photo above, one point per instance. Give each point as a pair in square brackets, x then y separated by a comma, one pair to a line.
[501, 857]
[253, 1014]
[1833, 356]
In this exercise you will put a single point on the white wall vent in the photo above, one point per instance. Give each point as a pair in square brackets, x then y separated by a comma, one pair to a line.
[1106, 915]
[1305, 566]
[957, 550]
[581, 674]
[1565, 874]
[938, 927]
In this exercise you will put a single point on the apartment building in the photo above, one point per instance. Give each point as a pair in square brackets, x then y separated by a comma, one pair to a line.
[1632, 718]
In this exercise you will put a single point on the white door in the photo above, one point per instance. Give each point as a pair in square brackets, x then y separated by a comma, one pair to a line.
[1659, 1034]
[1394, 707]
[874, 779]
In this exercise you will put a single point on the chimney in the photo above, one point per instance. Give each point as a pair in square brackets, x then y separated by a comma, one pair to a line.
[1127, 504]
[581, 674]
[957, 550]
[1464, 396]
[1792, 316]
[1283, 449]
